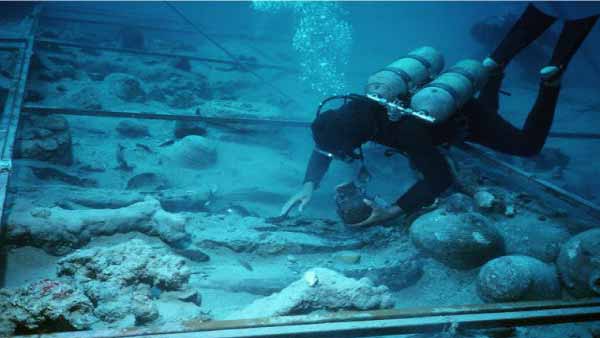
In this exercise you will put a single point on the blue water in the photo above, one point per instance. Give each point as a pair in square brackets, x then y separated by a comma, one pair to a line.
[325, 49]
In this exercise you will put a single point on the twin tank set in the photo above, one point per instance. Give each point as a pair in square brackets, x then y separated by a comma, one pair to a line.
[413, 85]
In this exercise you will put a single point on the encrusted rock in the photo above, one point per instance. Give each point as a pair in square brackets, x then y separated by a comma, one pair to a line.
[461, 241]
[44, 306]
[457, 203]
[127, 264]
[125, 87]
[178, 91]
[192, 152]
[397, 274]
[517, 278]
[484, 199]
[329, 291]
[526, 235]
[45, 138]
[579, 264]
[144, 310]
[132, 129]
[86, 98]
[120, 279]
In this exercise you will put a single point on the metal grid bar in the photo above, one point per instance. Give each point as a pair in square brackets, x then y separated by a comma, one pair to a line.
[102, 13]
[174, 117]
[116, 23]
[369, 323]
[159, 28]
[545, 185]
[12, 108]
[10, 122]
[168, 55]
[166, 117]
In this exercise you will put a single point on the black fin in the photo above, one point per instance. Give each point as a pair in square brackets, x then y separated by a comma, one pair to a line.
[528, 27]
[571, 37]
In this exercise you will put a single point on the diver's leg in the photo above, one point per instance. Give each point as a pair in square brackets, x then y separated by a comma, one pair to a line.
[489, 94]
[571, 37]
[491, 130]
[528, 27]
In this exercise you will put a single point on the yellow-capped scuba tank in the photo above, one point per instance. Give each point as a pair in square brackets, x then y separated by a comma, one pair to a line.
[402, 76]
[443, 96]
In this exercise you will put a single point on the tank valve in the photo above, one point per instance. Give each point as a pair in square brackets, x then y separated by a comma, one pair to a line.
[396, 109]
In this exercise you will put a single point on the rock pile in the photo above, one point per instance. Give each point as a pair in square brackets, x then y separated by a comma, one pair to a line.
[119, 279]
[45, 138]
[85, 98]
[44, 306]
[126, 87]
[98, 284]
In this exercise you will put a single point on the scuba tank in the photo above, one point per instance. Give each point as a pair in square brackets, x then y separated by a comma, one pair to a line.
[400, 78]
[446, 94]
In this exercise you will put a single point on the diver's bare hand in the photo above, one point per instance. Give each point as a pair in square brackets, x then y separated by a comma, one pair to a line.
[301, 198]
[378, 214]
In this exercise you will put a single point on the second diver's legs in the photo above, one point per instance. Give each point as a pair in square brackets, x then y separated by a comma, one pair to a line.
[530, 25]
[571, 37]
[491, 130]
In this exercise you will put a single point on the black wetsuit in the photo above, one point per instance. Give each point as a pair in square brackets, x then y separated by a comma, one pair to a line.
[418, 140]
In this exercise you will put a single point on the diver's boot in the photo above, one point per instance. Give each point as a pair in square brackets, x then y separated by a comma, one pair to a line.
[528, 27]
[570, 39]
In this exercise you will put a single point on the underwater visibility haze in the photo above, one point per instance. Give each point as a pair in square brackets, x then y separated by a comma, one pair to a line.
[190, 162]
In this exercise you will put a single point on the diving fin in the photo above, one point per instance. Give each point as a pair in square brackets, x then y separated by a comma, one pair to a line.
[571, 37]
[528, 27]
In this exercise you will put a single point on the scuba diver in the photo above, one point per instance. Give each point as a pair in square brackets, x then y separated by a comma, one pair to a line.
[437, 115]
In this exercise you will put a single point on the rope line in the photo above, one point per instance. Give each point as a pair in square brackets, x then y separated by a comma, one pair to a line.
[227, 52]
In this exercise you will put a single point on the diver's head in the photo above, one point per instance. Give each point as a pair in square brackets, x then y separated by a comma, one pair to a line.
[341, 131]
